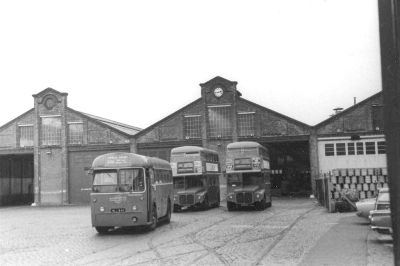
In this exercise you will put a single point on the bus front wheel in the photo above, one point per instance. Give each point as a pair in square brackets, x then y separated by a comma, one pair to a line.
[153, 218]
[102, 229]
[231, 206]
[168, 218]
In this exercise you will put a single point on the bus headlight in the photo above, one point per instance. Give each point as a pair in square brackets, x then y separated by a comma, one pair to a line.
[102, 209]
[134, 208]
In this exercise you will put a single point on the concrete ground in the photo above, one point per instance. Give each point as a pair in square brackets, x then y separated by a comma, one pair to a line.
[291, 232]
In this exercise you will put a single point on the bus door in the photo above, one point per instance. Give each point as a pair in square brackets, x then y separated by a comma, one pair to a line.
[149, 183]
[156, 190]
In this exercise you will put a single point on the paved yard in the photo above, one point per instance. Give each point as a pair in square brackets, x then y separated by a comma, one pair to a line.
[291, 232]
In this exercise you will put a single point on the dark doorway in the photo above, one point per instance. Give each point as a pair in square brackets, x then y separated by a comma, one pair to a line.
[16, 179]
[290, 168]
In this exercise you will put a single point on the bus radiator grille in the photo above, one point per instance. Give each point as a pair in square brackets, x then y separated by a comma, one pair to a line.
[244, 197]
[186, 199]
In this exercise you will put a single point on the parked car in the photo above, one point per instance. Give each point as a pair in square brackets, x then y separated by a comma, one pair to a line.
[381, 221]
[380, 218]
[365, 206]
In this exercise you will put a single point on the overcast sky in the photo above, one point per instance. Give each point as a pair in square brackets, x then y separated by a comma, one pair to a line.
[138, 61]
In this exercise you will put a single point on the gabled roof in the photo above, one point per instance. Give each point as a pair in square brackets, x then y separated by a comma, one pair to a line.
[124, 128]
[15, 119]
[346, 111]
[49, 90]
[149, 128]
[276, 113]
[217, 79]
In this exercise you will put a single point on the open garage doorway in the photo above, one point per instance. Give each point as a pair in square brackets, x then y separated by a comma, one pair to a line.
[290, 168]
[16, 179]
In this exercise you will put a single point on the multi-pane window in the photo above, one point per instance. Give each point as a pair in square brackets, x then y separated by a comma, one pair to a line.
[219, 119]
[340, 149]
[192, 126]
[75, 133]
[370, 148]
[381, 147]
[350, 148]
[26, 135]
[360, 148]
[329, 149]
[246, 124]
[51, 131]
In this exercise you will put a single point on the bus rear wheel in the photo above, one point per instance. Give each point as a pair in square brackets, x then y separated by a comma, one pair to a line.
[102, 229]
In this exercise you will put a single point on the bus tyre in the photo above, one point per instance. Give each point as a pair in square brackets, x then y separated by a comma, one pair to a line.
[206, 204]
[218, 202]
[177, 208]
[264, 203]
[102, 229]
[231, 206]
[168, 216]
[153, 218]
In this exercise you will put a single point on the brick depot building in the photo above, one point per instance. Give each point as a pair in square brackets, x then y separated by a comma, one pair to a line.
[44, 153]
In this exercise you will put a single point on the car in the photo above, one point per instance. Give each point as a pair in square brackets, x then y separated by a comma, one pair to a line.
[380, 218]
[365, 206]
[381, 221]
[383, 200]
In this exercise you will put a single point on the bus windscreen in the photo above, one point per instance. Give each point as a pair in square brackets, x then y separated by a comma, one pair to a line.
[131, 180]
[105, 181]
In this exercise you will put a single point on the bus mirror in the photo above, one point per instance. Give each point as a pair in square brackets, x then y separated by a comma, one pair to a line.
[89, 171]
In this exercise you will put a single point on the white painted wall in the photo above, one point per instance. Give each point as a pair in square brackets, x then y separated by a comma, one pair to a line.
[327, 163]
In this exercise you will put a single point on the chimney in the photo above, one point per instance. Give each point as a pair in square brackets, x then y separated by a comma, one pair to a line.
[337, 110]
[355, 100]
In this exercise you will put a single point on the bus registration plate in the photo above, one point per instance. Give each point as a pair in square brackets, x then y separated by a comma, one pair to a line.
[118, 210]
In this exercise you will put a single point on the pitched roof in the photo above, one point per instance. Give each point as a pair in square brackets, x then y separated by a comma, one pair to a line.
[120, 127]
[346, 111]
[127, 129]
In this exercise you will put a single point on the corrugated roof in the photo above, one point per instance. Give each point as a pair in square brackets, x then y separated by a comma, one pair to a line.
[130, 130]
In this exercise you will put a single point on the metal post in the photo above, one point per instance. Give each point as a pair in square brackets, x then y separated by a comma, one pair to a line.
[389, 20]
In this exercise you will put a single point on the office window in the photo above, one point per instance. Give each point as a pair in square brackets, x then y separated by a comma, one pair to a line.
[360, 148]
[51, 130]
[192, 126]
[340, 149]
[329, 149]
[75, 133]
[370, 148]
[381, 147]
[350, 148]
[219, 119]
[26, 136]
[246, 124]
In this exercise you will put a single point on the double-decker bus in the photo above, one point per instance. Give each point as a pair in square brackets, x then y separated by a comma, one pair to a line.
[130, 190]
[248, 175]
[196, 173]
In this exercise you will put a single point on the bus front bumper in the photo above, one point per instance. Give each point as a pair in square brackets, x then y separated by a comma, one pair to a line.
[120, 219]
